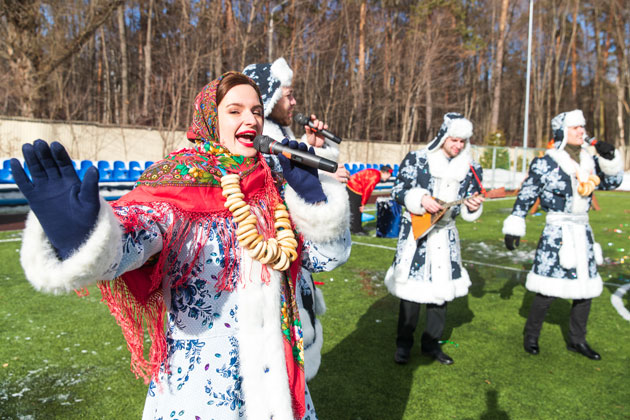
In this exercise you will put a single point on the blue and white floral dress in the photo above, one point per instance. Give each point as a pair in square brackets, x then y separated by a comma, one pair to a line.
[565, 264]
[430, 270]
[225, 349]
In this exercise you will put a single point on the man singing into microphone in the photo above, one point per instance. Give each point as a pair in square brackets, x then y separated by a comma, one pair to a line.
[275, 83]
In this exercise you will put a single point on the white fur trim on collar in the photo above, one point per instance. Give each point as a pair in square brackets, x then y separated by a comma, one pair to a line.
[569, 166]
[456, 168]
[97, 259]
[273, 130]
[321, 222]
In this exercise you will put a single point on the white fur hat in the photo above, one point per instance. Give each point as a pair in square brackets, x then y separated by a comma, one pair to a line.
[454, 125]
[561, 122]
[270, 78]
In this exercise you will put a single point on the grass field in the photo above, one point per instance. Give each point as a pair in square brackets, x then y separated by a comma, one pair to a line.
[63, 357]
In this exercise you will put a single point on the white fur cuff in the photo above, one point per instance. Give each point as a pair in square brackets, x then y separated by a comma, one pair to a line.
[471, 217]
[612, 166]
[321, 222]
[97, 259]
[514, 225]
[413, 200]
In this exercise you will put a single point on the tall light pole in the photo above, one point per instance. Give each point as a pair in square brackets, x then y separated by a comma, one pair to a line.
[529, 65]
[270, 31]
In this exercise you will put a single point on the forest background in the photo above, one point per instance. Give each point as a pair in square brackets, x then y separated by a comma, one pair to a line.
[373, 70]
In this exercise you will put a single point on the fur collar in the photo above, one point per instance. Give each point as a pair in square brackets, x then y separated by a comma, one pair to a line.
[456, 168]
[274, 130]
[568, 165]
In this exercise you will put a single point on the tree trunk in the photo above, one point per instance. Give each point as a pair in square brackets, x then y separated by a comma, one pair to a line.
[147, 62]
[124, 67]
[498, 69]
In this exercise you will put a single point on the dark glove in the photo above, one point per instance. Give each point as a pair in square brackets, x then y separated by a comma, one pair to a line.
[511, 242]
[66, 208]
[303, 179]
[605, 150]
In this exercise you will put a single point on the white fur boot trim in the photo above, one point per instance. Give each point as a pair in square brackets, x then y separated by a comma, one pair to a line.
[580, 288]
[96, 259]
[321, 222]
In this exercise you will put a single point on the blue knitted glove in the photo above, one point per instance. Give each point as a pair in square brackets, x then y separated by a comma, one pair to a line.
[66, 208]
[301, 178]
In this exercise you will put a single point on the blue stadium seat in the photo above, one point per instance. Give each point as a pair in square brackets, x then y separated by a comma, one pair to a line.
[104, 171]
[6, 177]
[119, 171]
[135, 170]
[395, 173]
[83, 167]
[147, 164]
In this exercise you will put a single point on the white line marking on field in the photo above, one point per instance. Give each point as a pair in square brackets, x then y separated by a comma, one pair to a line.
[11, 240]
[615, 298]
[520, 270]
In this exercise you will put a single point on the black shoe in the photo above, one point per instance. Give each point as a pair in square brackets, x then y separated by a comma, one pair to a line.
[401, 356]
[440, 356]
[530, 344]
[585, 350]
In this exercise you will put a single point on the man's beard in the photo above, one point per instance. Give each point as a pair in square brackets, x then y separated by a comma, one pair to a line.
[282, 118]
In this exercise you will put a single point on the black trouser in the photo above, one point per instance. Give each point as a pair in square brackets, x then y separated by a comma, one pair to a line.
[577, 321]
[355, 213]
[408, 319]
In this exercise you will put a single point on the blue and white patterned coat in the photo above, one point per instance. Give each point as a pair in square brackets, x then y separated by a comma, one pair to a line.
[310, 299]
[225, 349]
[565, 264]
[431, 270]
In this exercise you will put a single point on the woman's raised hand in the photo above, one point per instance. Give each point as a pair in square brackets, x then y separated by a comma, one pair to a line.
[66, 208]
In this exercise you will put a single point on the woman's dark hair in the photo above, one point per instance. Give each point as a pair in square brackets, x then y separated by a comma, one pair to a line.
[231, 79]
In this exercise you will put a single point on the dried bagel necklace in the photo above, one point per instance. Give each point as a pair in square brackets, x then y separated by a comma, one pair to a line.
[277, 252]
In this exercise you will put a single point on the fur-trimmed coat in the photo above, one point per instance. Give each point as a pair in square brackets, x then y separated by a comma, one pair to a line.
[310, 298]
[565, 264]
[225, 349]
[430, 270]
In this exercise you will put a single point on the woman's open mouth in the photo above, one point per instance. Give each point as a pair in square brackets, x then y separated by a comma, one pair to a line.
[246, 138]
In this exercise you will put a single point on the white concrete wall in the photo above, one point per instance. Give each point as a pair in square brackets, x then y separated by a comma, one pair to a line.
[107, 142]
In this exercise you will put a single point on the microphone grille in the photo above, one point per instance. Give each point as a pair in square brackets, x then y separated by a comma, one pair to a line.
[301, 119]
[262, 143]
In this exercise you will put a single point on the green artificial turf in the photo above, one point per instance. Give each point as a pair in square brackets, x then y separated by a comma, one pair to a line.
[63, 357]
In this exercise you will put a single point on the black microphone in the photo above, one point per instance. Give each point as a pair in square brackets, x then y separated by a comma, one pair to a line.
[304, 120]
[265, 144]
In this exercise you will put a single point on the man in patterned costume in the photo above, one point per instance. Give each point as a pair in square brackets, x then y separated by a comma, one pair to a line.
[275, 81]
[565, 264]
[430, 269]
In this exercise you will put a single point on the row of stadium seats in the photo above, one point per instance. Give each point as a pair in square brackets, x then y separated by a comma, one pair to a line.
[119, 171]
[109, 171]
